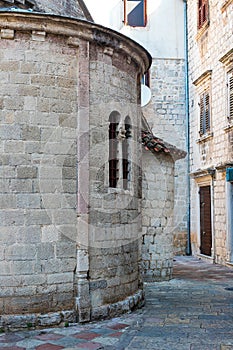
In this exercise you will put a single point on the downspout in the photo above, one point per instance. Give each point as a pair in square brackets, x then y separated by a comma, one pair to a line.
[188, 250]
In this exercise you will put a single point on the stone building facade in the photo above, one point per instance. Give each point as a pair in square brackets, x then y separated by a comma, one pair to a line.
[70, 244]
[158, 207]
[166, 115]
[211, 128]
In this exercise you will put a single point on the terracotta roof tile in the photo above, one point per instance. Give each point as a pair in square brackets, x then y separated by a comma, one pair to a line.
[157, 145]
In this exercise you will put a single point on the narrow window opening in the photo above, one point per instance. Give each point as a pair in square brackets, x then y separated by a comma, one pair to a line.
[113, 151]
[125, 154]
[146, 79]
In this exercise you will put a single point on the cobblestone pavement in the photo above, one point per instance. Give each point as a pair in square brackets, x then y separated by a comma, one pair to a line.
[194, 311]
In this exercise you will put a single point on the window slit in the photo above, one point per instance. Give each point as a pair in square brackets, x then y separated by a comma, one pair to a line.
[113, 160]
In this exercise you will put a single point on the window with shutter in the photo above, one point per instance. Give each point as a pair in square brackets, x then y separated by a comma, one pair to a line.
[204, 113]
[135, 13]
[230, 96]
[203, 12]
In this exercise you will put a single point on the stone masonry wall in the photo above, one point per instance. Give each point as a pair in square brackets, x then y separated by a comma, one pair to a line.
[38, 97]
[157, 217]
[70, 246]
[207, 48]
[167, 118]
[115, 219]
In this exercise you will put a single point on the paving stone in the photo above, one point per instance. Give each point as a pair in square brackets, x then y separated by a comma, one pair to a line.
[106, 340]
[86, 335]
[11, 348]
[49, 346]
[48, 336]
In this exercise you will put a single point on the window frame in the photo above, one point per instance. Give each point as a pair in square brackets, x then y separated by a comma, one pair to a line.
[126, 22]
[230, 96]
[126, 153]
[113, 161]
[205, 115]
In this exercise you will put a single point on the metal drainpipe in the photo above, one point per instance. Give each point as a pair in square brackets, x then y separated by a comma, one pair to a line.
[188, 250]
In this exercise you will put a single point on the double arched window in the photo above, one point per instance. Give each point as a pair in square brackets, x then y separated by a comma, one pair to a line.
[119, 151]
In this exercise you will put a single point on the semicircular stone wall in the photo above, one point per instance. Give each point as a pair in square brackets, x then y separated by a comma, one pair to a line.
[69, 243]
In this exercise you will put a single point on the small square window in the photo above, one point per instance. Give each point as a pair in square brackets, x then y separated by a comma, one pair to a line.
[135, 13]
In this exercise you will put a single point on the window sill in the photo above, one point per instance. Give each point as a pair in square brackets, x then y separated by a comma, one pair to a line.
[135, 27]
[118, 190]
[205, 137]
[202, 30]
[229, 127]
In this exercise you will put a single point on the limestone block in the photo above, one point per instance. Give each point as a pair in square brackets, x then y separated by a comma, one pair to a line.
[20, 252]
[82, 260]
[65, 250]
[57, 278]
[23, 268]
[26, 172]
[7, 34]
[37, 217]
[49, 319]
[28, 201]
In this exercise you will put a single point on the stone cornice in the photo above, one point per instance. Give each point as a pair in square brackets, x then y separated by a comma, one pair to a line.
[204, 77]
[203, 172]
[77, 29]
[227, 59]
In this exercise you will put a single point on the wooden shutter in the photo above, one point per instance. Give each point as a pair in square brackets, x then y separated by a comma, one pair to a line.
[201, 114]
[230, 96]
[203, 12]
[207, 112]
[199, 13]
[204, 113]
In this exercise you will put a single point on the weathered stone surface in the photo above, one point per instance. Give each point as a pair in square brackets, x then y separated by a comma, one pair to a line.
[49, 319]
[68, 251]
[212, 150]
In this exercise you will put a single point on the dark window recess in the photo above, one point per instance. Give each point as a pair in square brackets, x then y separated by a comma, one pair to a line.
[204, 113]
[135, 13]
[230, 97]
[113, 161]
[203, 12]
[125, 155]
[205, 220]
[146, 79]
